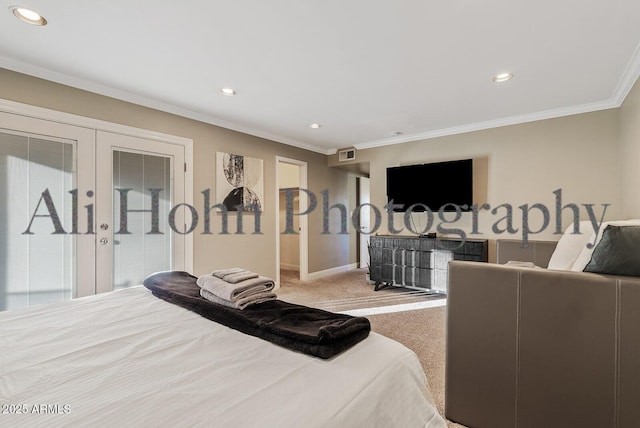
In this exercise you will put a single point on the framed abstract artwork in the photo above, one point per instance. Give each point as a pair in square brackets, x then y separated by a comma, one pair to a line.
[239, 182]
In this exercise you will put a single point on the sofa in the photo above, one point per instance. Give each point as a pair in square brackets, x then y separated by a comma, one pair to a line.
[531, 347]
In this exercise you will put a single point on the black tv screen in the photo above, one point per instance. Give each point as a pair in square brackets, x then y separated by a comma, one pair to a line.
[432, 184]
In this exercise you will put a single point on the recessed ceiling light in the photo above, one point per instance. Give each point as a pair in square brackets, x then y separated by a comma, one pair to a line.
[502, 77]
[228, 92]
[315, 125]
[28, 16]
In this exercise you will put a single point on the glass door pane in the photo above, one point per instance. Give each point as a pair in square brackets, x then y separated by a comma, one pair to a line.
[36, 265]
[138, 181]
[145, 248]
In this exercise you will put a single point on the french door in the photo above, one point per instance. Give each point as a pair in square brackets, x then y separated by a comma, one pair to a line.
[65, 192]
[139, 181]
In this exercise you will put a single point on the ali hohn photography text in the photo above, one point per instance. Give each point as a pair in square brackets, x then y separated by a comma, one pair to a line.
[506, 219]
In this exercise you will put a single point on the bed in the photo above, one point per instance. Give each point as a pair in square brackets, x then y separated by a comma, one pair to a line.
[127, 358]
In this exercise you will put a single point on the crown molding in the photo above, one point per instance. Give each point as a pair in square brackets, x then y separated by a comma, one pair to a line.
[98, 88]
[497, 123]
[628, 79]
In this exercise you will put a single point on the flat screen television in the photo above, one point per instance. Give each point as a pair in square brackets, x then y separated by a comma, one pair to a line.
[433, 184]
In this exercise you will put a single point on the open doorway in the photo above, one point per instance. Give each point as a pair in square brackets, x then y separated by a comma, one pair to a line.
[291, 248]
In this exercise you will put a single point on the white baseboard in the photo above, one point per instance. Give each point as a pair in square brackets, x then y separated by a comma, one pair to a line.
[290, 266]
[322, 273]
[396, 308]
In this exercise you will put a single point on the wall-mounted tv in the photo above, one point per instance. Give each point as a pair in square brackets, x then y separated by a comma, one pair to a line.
[433, 184]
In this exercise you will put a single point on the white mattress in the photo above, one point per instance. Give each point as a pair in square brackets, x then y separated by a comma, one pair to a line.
[128, 358]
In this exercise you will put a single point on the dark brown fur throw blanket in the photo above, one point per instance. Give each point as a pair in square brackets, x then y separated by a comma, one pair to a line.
[311, 331]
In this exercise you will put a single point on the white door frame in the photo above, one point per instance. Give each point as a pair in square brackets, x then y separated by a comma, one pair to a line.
[304, 221]
[364, 192]
[106, 144]
[94, 125]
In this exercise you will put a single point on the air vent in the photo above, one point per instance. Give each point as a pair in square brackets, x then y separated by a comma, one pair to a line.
[346, 155]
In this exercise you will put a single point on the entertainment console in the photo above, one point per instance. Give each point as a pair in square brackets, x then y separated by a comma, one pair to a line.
[419, 262]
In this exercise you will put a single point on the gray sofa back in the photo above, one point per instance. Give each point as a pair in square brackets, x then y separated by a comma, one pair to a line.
[540, 348]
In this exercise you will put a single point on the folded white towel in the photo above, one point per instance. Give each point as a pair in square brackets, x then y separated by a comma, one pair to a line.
[234, 275]
[240, 303]
[221, 273]
[233, 292]
[235, 278]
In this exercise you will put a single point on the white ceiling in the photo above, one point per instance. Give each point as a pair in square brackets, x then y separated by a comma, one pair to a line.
[361, 68]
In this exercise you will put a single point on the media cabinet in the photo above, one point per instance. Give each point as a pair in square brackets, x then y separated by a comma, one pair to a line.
[419, 262]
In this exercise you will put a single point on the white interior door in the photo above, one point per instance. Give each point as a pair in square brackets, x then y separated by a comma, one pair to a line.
[365, 219]
[138, 232]
[46, 181]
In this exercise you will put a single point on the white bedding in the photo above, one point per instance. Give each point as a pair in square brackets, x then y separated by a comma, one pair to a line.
[128, 358]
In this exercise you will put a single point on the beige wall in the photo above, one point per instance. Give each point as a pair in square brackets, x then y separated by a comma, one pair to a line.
[630, 154]
[524, 164]
[256, 252]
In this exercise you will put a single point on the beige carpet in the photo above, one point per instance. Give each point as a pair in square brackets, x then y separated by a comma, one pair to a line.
[346, 291]
[422, 330]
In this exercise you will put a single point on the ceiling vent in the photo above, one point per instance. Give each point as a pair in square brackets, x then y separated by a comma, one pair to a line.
[346, 155]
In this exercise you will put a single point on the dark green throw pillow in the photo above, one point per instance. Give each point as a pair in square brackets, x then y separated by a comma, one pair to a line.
[618, 253]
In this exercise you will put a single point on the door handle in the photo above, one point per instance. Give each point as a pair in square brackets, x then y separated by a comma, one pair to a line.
[104, 241]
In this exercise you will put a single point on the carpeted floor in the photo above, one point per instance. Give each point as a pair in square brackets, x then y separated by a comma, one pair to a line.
[421, 330]
[347, 291]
